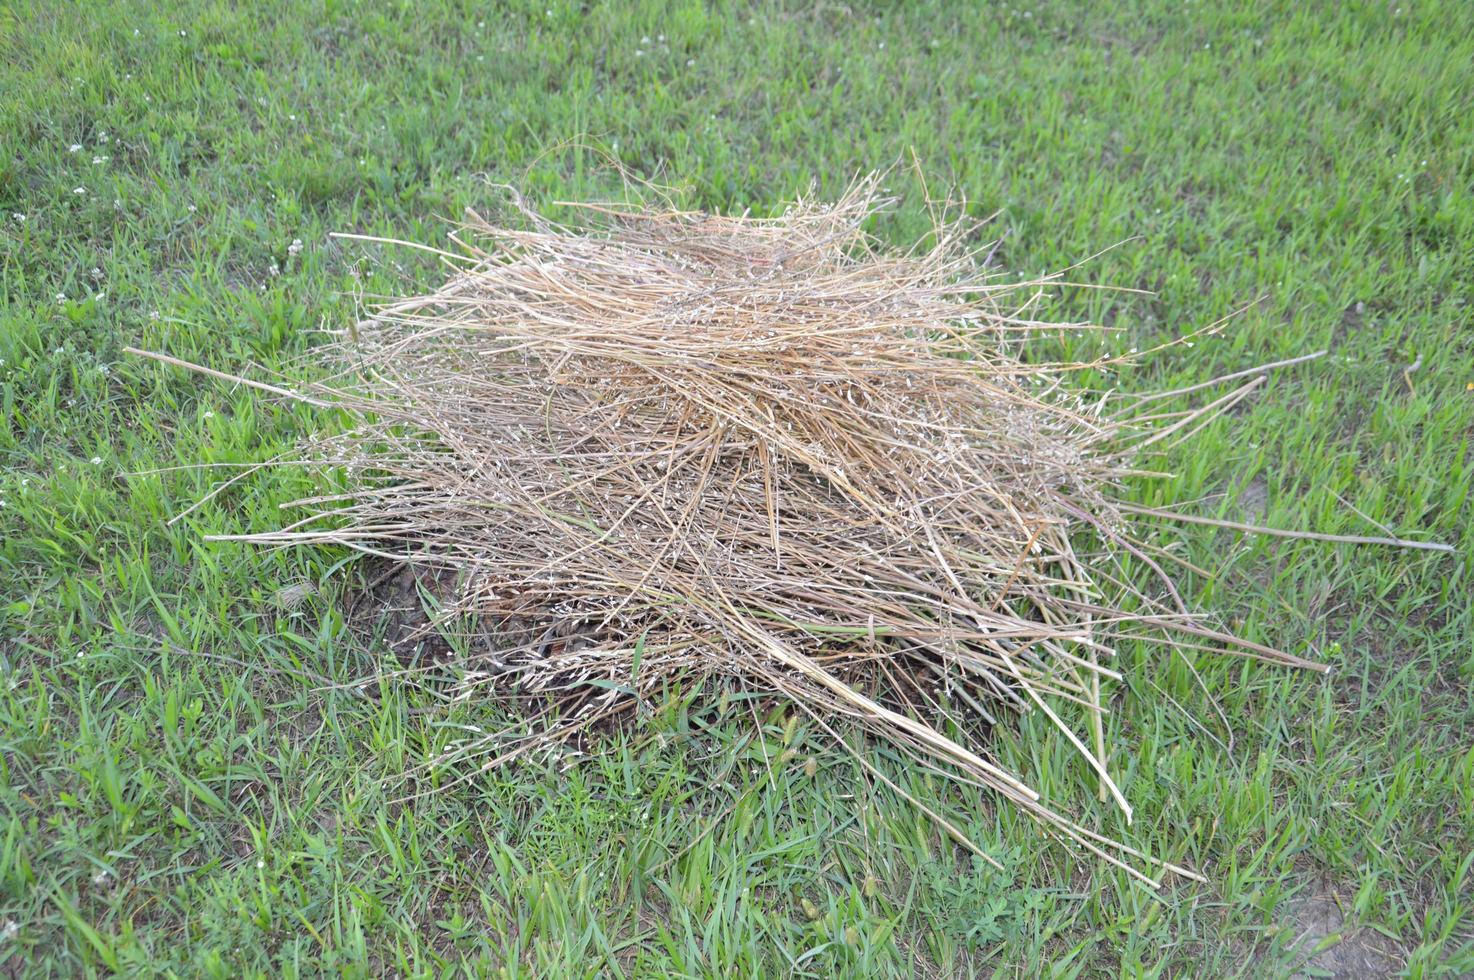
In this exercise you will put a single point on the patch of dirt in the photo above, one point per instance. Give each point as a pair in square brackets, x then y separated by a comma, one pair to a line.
[395, 608]
[390, 607]
[1318, 917]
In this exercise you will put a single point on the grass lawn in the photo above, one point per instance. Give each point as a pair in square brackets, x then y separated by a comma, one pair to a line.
[192, 784]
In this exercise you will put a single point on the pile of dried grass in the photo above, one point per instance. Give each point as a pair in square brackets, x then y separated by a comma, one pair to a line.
[659, 443]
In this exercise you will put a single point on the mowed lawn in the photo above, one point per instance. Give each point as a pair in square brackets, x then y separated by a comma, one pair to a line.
[196, 782]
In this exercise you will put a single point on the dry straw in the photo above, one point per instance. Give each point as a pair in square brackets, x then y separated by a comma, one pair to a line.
[652, 443]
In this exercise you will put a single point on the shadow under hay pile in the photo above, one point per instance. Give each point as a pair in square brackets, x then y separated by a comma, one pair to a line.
[659, 443]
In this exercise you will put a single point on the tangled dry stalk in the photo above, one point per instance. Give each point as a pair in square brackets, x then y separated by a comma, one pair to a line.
[658, 443]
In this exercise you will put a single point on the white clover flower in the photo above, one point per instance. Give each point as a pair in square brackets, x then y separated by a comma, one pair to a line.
[192, 209]
[75, 148]
[209, 415]
[295, 248]
[99, 159]
[79, 190]
[690, 62]
[153, 314]
[17, 216]
[61, 297]
[96, 460]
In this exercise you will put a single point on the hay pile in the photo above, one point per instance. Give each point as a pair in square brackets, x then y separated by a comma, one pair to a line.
[658, 443]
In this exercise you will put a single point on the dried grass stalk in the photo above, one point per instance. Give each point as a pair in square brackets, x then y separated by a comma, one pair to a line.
[656, 442]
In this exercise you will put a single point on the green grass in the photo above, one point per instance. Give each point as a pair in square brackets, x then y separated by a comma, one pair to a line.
[178, 792]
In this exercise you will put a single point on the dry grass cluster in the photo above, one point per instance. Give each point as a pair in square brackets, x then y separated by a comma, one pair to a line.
[656, 442]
